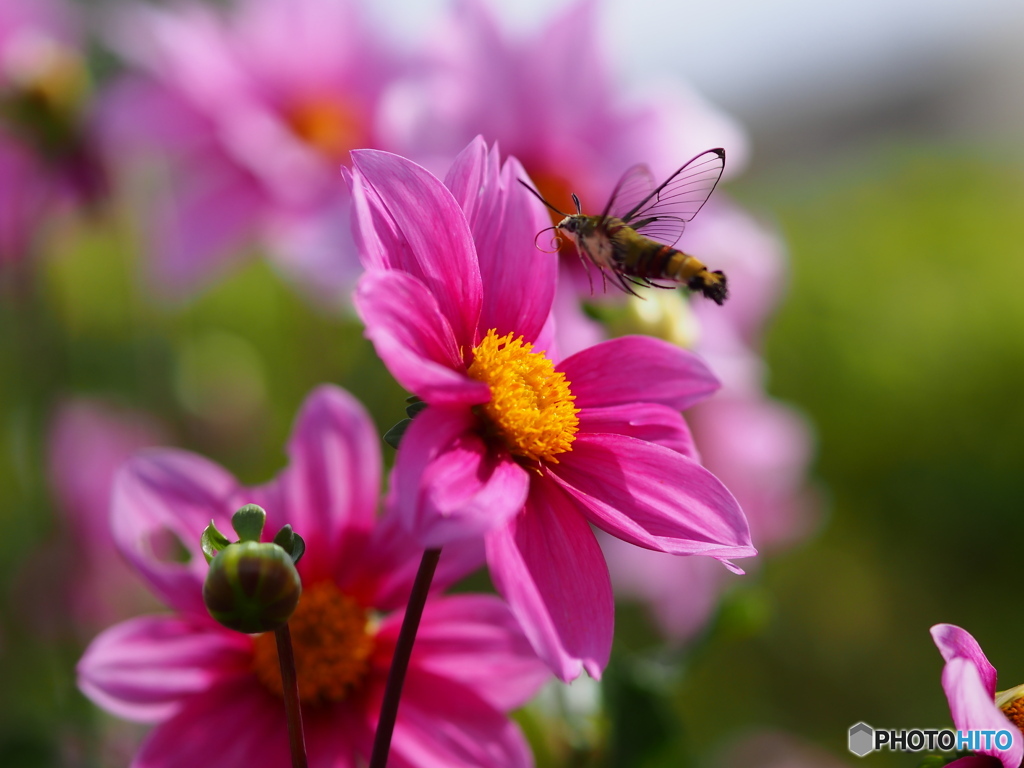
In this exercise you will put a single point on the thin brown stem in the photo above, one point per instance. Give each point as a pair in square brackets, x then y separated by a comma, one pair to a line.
[400, 661]
[292, 710]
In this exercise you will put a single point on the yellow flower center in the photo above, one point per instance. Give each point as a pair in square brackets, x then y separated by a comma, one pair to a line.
[1014, 710]
[531, 405]
[327, 124]
[332, 647]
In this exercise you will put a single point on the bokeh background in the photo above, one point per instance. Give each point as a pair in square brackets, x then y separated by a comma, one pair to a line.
[886, 151]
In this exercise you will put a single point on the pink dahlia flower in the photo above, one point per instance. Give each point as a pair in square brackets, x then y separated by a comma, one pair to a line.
[969, 680]
[515, 444]
[215, 694]
[47, 163]
[250, 115]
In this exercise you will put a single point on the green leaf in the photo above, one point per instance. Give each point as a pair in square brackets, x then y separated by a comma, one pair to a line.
[413, 408]
[248, 522]
[394, 435]
[212, 541]
[290, 542]
[298, 548]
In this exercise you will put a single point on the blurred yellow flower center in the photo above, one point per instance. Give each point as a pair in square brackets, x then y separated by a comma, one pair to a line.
[531, 405]
[1014, 710]
[332, 646]
[328, 125]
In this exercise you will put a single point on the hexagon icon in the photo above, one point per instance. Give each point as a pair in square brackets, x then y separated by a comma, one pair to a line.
[862, 739]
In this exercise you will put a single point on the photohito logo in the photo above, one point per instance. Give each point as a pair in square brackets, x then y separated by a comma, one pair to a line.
[863, 739]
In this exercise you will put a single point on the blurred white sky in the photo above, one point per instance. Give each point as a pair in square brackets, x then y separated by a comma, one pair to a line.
[750, 56]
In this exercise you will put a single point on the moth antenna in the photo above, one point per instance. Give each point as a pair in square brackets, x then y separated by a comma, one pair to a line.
[576, 200]
[536, 194]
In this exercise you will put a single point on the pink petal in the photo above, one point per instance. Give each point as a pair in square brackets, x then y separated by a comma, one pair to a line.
[449, 483]
[383, 571]
[333, 479]
[475, 640]
[638, 369]
[973, 708]
[442, 724]
[653, 497]
[233, 724]
[654, 423]
[547, 564]
[436, 245]
[146, 668]
[162, 500]
[956, 643]
[518, 279]
[414, 340]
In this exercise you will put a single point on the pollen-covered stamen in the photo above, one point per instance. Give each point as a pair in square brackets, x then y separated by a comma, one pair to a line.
[531, 406]
[332, 646]
[1014, 710]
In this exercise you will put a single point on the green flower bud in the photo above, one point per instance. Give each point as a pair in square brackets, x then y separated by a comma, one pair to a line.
[252, 587]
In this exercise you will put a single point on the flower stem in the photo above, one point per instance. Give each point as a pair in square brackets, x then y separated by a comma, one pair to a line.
[285, 654]
[400, 661]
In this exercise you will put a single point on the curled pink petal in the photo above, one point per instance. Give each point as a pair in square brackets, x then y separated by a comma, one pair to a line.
[653, 497]
[548, 566]
[956, 643]
[144, 668]
[449, 484]
[162, 500]
[518, 280]
[973, 708]
[438, 245]
[633, 369]
[413, 338]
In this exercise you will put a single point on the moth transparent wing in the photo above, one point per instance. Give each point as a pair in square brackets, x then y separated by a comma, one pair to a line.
[636, 184]
[662, 215]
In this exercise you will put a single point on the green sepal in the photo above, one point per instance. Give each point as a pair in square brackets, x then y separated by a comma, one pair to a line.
[248, 522]
[394, 435]
[290, 542]
[413, 399]
[413, 408]
[212, 541]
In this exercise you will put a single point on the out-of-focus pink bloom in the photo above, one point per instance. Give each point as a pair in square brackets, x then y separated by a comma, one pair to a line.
[969, 680]
[46, 159]
[550, 101]
[515, 444]
[250, 114]
[88, 441]
[759, 447]
[215, 694]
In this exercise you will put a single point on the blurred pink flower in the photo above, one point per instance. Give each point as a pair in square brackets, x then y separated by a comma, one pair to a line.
[550, 100]
[88, 441]
[969, 680]
[47, 162]
[515, 444]
[760, 448]
[212, 691]
[249, 115]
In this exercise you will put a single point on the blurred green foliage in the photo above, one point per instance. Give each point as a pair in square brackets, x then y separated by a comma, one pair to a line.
[902, 337]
